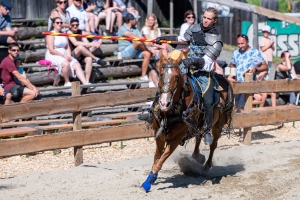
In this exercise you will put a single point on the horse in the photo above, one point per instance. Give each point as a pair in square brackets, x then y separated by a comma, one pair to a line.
[176, 113]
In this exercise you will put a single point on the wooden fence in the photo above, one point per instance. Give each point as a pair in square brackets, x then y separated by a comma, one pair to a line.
[80, 137]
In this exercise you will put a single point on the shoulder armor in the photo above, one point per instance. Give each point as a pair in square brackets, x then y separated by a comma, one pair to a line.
[195, 28]
[214, 46]
[211, 39]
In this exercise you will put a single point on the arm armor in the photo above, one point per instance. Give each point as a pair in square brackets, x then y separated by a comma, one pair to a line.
[214, 46]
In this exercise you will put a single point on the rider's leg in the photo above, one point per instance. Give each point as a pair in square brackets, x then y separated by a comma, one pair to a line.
[208, 113]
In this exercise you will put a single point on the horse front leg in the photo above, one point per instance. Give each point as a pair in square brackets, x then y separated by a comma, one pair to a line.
[160, 144]
[197, 156]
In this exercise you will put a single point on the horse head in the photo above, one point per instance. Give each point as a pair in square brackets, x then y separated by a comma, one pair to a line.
[170, 81]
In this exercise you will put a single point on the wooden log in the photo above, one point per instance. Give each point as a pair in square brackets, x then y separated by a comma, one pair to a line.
[40, 78]
[25, 33]
[34, 55]
[32, 144]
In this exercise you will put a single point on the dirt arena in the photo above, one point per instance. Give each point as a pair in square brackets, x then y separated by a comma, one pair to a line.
[269, 169]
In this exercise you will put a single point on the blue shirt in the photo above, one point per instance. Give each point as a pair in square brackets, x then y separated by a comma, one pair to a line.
[245, 60]
[5, 22]
[122, 44]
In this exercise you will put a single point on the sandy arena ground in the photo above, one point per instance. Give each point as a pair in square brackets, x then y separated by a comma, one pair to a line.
[269, 169]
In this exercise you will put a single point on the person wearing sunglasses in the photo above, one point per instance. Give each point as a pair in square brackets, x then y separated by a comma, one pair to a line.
[245, 59]
[59, 53]
[82, 48]
[26, 90]
[189, 19]
[7, 34]
[59, 11]
[286, 70]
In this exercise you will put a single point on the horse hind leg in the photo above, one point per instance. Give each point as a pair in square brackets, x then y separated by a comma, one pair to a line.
[216, 130]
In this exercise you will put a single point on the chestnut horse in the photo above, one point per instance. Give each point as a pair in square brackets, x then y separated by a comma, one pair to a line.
[176, 112]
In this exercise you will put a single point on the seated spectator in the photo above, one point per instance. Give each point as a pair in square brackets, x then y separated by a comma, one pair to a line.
[286, 70]
[106, 10]
[5, 95]
[189, 19]
[59, 53]
[124, 6]
[26, 91]
[18, 63]
[89, 7]
[151, 31]
[132, 49]
[59, 11]
[7, 33]
[76, 10]
[82, 49]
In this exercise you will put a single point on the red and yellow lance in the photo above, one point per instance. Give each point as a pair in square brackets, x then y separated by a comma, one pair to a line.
[112, 38]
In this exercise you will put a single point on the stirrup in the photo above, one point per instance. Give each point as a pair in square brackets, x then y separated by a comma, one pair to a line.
[208, 139]
[144, 117]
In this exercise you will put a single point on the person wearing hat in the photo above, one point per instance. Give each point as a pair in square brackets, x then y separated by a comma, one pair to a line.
[130, 49]
[82, 49]
[18, 63]
[267, 47]
[7, 35]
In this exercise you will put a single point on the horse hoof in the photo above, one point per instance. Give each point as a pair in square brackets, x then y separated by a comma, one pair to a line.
[149, 181]
[199, 158]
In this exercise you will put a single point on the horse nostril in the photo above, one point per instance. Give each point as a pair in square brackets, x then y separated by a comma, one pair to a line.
[168, 104]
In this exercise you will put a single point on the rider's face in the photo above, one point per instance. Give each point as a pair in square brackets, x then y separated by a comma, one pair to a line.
[208, 19]
[243, 44]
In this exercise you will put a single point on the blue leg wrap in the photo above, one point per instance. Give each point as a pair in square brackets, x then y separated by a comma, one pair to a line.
[150, 180]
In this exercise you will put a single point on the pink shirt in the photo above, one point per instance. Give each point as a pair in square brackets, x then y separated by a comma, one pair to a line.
[268, 54]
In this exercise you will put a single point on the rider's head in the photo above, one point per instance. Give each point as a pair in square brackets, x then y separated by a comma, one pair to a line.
[210, 17]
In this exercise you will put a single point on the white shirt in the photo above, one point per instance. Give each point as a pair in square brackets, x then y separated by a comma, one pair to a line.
[80, 14]
[145, 31]
[183, 28]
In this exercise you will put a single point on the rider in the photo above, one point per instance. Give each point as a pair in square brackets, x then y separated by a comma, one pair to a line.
[205, 46]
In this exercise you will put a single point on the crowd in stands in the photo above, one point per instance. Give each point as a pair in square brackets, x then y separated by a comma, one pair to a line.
[68, 54]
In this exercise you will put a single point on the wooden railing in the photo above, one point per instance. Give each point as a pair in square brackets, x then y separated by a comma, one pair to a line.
[80, 137]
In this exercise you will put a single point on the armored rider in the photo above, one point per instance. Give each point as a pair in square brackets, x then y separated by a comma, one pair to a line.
[205, 46]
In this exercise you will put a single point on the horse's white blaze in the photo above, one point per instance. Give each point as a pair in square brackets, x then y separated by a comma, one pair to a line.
[165, 98]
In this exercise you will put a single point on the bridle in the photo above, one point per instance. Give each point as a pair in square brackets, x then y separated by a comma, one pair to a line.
[166, 83]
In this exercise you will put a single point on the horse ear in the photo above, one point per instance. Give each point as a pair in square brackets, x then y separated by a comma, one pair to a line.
[162, 61]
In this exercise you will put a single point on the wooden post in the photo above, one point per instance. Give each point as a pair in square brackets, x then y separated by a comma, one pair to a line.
[248, 109]
[195, 5]
[78, 151]
[149, 7]
[255, 30]
[171, 17]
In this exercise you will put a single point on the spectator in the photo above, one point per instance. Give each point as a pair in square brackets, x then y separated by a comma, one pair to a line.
[286, 70]
[76, 10]
[7, 34]
[105, 10]
[59, 53]
[267, 47]
[82, 49]
[124, 7]
[131, 49]
[18, 63]
[189, 19]
[151, 31]
[26, 91]
[245, 59]
[89, 7]
[5, 95]
[59, 11]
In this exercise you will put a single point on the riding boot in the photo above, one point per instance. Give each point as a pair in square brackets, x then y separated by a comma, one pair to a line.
[144, 117]
[208, 117]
